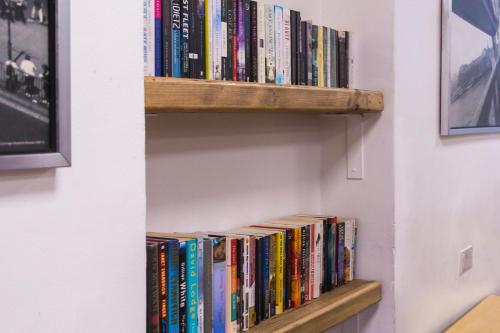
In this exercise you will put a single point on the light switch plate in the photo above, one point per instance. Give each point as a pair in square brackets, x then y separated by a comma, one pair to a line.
[466, 260]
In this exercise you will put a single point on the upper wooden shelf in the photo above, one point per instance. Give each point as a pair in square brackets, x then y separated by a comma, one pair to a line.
[328, 310]
[165, 95]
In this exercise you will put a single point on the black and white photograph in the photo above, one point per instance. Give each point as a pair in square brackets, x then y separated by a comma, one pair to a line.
[25, 74]
[471, 71]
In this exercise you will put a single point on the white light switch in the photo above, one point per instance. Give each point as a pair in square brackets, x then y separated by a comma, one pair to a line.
[466, 260]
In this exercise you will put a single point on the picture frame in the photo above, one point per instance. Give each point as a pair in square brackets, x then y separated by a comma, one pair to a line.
[56, 98]
[470, 74]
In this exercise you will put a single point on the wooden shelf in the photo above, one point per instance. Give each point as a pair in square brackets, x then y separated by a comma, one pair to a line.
[165, 95]
[325, 312]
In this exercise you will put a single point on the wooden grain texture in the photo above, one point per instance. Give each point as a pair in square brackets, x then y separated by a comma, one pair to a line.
[186, 95]
[325, 312]
[484, 318]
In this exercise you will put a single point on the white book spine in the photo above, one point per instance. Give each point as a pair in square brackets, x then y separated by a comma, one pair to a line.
[312, 260]
[270, 47]
[348, 246]
[246, 282]
[318, 260]
[261, 42]
[149, 22]
[279, 43]
[217, 39]
[329, 59]
[209, 36]
[287, 47]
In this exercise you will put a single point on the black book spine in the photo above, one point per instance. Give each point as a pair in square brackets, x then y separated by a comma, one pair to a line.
[193, 40]
[167, 37]
[200, 10]
[265, 278]
[343, 59]
[308, 290]
[240, 280]
[303, 33]
[288, 268]
[185, 20]
[163, 287]
[258, 280]
[248, 41]
[303, 266]
[254, 38]
[230, 34]
[325, 56]
[300, 60]
[182, 290]
[225, 51]
[327, 260]
[152, 288]
[293, 45]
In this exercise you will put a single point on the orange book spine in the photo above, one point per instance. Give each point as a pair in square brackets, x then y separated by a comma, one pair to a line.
[296, 265]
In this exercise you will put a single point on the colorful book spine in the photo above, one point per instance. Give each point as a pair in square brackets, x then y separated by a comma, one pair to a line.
[240, 284]
[334, 58]
[288, 268]
[241, 42]
[167, 37]
[314, 56]
[234, 286]
[163, 286]
[224, 32]
[219, 283]
[261, 42]
[270, 45]
[182, 288]
[332, 254]
[304, 273]
[280, 271]
[320, 60]
[209, 64]
[287, 47]
[252, 316]
[158, 33]
[200, 277]
[312, 261]
[176, 39]
[297, 254]
[254, 77]
[229, 40]
[173, 285]
[185, 20]
[234, 42]
[153, 289]
[279, 44]
[217, 39]
[272, 275]
[148, 35]
[340, 253]
[248, 40]
[246, 284]
[192, 286]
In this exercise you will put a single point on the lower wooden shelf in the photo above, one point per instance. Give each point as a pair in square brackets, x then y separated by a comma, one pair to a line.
[327, 311]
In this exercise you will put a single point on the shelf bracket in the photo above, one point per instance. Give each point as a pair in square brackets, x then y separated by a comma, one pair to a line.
[355, 147]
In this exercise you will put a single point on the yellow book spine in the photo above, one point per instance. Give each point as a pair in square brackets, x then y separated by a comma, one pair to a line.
[296, 275]
[280, 267]
[321, 77]
[208, 39]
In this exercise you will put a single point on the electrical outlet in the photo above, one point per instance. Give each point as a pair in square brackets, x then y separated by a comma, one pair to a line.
[466, 256]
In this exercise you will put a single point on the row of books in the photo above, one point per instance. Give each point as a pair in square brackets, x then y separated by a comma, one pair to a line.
[232, 281]
[241, 40]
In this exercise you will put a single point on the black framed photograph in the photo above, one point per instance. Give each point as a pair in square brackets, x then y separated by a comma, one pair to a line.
[34, 84]
[470, 93]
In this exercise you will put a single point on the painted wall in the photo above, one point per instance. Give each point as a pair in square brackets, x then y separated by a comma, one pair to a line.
[446, 188]
[72, 240]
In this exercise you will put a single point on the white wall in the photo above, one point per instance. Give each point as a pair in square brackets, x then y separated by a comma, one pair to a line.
[446, 188]
[72, 240]
[371, 200]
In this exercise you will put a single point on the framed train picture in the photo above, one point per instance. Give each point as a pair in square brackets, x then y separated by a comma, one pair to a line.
[470, 80]
[34, 84]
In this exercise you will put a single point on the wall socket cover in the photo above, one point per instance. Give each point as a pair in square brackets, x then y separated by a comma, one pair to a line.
[466, 260]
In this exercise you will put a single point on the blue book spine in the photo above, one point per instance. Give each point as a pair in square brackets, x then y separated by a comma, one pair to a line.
[176, 38]
[173, 286]
[192, 285]
[200, 286]
[219, 285]
[265, 277]
[340, 252]
[158, 39]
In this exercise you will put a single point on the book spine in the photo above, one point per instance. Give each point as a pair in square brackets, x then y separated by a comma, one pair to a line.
[185, 20]
[146, 37]
[320, 63]
[176, 38]
[315, 56]
[332, 254]
[258, 280]
[303, 268]
[248, 41]
[229, 40]
[224, 52]
[325, 56]
[234, 42]
[246, 283]
[278, 41]
[261, 41]
[153, 289]
[182, 288]
[342, 59]
[173, 286]
[219, 282]
[163, 286]
[234, 286]
[208, 40]
[270, 45]
[354, 250]
[217, 39]
[192, 286]
[201, 23]
[158, 33]
[312, 261]
[297, 262]
[207, 285]
[240, 278]
[251, 283]
[272, 275]
[304, 48]
[265, 278]
[287, 48]
[326, 279]
[280, 271]
[334, 61]
[293, 47]
[194, 40]
[310, 55]
[241, 40]
[167, 37]
[200, 281]
[318, 258]
[307, 275]
[347, 250]
[340, 253]
[300, 61]
[254, 77]
[288, 269]
[328, 61]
